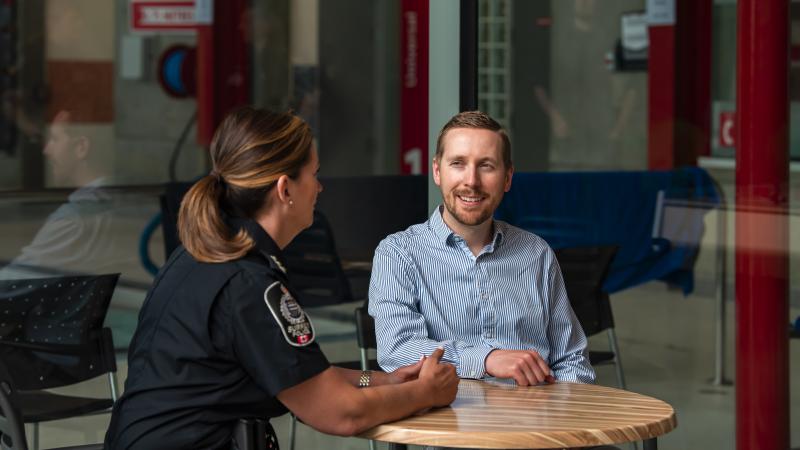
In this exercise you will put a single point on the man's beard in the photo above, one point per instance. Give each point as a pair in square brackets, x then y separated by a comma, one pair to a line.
[469, 219]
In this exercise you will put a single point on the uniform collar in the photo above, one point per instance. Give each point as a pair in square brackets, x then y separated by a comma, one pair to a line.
[265, 245]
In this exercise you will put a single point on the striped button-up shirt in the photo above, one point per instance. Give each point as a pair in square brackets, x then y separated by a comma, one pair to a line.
[428, 290]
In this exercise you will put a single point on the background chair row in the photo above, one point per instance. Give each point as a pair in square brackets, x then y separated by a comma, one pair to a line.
[51, 336]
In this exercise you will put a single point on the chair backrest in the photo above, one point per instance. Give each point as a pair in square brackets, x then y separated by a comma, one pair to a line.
[363, 210]
[51, 330]
[365, 329]
[12, 427]
[170, 202]
[584, 270]
[311, 258]
[314, 266]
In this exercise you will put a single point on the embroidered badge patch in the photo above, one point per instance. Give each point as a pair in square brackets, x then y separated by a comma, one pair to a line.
[294, 323]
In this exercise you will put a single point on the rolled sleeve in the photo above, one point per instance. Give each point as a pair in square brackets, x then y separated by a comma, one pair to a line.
[473, 362]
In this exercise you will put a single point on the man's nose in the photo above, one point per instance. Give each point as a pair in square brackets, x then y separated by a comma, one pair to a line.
[471, 177]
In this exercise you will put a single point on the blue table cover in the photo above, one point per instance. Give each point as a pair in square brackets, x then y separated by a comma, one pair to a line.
[570, 209]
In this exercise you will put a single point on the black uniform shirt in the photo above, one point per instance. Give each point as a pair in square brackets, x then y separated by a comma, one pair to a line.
[209, 349]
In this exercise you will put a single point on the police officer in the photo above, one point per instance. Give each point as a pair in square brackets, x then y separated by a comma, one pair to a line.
[221, 335]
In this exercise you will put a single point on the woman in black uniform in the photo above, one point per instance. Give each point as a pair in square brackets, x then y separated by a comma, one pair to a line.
[221, 335]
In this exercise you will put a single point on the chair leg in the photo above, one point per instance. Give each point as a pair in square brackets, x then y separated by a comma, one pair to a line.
[35, 445]
[292, 432]
[112, 384]
[365, 366]
[612, 342]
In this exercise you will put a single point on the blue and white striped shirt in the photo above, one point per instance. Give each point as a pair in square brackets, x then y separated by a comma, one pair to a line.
[428, 290]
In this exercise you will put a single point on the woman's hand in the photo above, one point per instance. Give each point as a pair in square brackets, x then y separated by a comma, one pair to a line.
[406, 373]
[439, 379]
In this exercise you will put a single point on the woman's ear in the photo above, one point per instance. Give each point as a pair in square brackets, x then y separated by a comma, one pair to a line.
[282, 189]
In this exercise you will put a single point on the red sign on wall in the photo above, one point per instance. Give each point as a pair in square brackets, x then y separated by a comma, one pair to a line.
[155, 16]
[414, 87]
[727, 129]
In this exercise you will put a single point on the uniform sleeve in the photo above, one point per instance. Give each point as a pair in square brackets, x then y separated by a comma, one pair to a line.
[259, 343]
[568, 354]
[401, 330]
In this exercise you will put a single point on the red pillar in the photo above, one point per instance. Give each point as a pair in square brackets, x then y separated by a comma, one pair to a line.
[679, 91]
[661, 98]
[762, 160]
[223, 65]
[414, 87]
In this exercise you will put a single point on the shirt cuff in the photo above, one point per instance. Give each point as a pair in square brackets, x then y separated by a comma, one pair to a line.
[473, 362]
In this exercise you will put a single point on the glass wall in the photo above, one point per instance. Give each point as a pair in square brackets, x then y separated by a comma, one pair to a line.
[89, 135]
[98, 114]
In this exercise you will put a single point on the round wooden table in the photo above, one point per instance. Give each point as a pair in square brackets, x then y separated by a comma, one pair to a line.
[492, 414]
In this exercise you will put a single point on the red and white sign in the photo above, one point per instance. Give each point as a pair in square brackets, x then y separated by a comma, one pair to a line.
[727, 129]
[163, 17]
[414, 87]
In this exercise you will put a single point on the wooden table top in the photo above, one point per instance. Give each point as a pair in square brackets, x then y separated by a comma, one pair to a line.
[492, 414]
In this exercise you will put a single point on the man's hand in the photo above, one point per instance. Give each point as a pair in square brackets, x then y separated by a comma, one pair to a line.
[526, 367]
[406, 373]
[439, 379]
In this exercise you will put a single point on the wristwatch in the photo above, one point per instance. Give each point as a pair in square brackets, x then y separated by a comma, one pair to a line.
[364, 379]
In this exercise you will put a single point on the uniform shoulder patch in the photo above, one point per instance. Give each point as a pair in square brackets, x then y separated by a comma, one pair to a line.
[292, 320]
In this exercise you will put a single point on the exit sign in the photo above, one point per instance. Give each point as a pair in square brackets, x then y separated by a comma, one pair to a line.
[163, 17]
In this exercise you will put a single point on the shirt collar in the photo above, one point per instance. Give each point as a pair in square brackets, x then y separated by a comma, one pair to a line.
[445, 234]
[264, 244]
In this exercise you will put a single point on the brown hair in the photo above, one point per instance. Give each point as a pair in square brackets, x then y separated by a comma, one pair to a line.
[478, 120]
[251, 149]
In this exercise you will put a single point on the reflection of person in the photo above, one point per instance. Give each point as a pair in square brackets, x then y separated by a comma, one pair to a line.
[611, 105]
[491, 294]
[221, 336]
[77, 237]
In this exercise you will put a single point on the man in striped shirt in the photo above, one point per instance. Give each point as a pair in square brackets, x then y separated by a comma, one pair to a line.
[489, 293]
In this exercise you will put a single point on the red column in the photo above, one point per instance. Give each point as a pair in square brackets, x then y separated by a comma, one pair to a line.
[223, 65]
[661, 98]
[679, 87]
[414, 87]
[762, 364]
[693, 78]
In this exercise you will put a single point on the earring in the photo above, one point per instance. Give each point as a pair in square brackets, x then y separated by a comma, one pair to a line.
[291, 202]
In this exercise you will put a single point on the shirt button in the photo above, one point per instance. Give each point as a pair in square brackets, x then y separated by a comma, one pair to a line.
[484, 295]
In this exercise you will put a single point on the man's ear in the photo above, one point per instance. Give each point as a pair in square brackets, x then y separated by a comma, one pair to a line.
[509, 175]
[436, 174]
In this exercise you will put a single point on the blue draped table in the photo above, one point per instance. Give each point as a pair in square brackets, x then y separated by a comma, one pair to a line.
[570, 209]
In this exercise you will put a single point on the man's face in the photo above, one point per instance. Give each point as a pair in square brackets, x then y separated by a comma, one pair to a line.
[60, 153]
[471, 175]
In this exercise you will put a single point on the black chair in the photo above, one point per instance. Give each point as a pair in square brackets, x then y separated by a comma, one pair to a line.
[584, 270]
[12, 429]
[314, 266]
[52, 335]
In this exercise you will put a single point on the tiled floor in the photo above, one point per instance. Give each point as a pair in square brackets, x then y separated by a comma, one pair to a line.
[666, 343]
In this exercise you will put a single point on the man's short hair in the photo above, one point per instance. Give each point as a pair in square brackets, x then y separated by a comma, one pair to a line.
[477, 120]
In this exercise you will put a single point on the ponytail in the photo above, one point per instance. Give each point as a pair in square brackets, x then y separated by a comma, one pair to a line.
[250, 151]
[201, 228]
